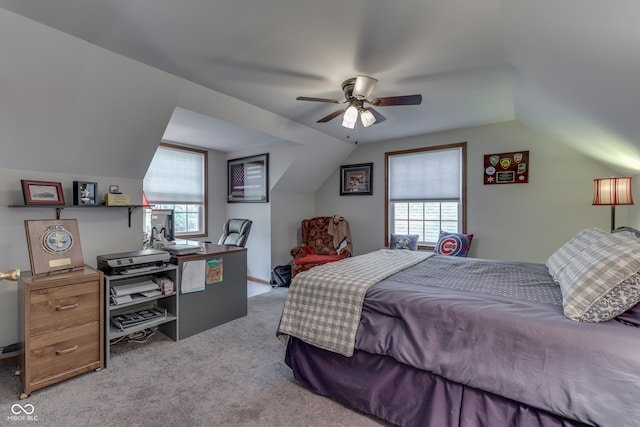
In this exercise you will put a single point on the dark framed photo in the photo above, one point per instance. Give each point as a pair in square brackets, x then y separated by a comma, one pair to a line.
[248, 179]
[42, 193]
[355, 180]
[85, 193]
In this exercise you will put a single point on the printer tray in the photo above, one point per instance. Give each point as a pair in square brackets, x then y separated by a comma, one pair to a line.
[128, 320]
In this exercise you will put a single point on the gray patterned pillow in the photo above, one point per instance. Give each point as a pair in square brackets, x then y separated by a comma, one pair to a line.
[598, 274]
[404, 241]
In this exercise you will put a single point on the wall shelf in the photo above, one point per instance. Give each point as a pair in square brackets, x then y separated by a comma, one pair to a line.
[59, 208]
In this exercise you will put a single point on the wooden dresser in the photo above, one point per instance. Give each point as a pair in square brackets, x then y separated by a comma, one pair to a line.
[61, 327]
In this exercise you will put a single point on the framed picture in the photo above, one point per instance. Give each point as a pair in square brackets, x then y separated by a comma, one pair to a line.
[85, 193]
[42, 193]
[355, 180]
[114, 189]
[248, 179]
[54, 245]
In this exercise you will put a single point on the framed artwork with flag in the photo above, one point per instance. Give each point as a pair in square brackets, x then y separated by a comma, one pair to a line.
[248, 179]
[506, 168]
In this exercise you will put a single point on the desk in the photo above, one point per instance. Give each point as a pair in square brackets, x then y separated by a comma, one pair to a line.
[219, 302]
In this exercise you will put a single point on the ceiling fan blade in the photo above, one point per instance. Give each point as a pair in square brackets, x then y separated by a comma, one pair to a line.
[306, 98]
[397, 100]
[331, 116]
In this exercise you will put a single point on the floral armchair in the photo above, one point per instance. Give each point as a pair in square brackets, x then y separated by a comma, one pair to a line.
[324, 239]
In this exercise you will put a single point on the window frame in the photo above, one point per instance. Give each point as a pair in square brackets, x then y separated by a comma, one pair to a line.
[205, 204]
[463, 189]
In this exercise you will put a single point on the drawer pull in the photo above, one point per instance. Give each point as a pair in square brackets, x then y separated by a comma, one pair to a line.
[66, 350]
[67, 307]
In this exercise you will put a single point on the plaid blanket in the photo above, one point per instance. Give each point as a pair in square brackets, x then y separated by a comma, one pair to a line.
[324, 304]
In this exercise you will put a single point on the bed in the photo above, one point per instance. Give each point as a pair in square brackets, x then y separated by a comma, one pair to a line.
[420, 339]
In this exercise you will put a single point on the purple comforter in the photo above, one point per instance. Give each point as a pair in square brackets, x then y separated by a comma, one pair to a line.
[512, 345]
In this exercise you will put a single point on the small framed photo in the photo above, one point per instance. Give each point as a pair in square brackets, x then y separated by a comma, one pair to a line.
[42, 193]
[85, 193]
[355, 180]
[114, 189]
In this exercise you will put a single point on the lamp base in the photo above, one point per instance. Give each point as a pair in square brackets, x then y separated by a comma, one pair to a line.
[613, 217]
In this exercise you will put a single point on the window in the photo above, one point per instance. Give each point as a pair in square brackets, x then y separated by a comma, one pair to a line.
[177, 179]
[426, 192]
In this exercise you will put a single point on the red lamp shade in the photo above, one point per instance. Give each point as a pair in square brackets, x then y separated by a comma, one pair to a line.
[612, 191]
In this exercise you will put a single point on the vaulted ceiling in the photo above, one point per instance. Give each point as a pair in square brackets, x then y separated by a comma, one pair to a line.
[566, 68]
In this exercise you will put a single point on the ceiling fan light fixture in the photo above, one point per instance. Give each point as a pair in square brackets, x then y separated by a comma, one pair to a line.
[367, 117]
[363, 87]
[350, 117]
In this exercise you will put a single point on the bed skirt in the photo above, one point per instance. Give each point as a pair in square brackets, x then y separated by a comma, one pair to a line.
[407, 396]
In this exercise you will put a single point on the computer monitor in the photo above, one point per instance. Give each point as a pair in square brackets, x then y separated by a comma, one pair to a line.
[162, 226]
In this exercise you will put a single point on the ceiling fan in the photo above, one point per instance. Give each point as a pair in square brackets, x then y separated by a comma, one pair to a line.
[356, 93]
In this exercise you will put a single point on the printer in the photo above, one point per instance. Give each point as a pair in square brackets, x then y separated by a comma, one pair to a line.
[133, 262]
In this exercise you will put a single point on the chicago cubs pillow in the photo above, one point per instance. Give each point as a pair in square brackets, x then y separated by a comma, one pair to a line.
[454, 244]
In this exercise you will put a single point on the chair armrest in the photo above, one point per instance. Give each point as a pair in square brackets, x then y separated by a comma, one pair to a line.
[299, 251]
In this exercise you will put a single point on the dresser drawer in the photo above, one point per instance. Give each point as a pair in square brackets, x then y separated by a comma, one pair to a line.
[60, 307]
[63, 354]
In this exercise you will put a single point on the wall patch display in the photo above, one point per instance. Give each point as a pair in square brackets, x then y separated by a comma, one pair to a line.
[506, 168]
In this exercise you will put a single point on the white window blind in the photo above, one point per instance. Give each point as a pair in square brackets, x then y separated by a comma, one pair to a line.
[175, 176]
[429, 175]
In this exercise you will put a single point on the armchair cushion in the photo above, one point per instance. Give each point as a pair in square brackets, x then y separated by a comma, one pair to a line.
[318, 259]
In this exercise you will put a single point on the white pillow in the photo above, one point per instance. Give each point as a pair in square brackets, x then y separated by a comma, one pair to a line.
[598, 274]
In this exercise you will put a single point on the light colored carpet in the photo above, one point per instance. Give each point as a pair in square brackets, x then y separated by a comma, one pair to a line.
[256, 288]
[231, 375]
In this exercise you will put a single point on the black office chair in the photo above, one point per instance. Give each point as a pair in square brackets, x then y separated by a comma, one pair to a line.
[235, 232]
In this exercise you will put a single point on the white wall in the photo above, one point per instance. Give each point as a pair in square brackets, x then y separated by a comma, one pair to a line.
[287, 211]
[217, 189]
[260, 243]
[513, 221]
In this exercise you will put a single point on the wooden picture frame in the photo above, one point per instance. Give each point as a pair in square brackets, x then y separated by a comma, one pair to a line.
[356, 180]
[42, 193]
[54, 245]
[248, 179]
[85, 193]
